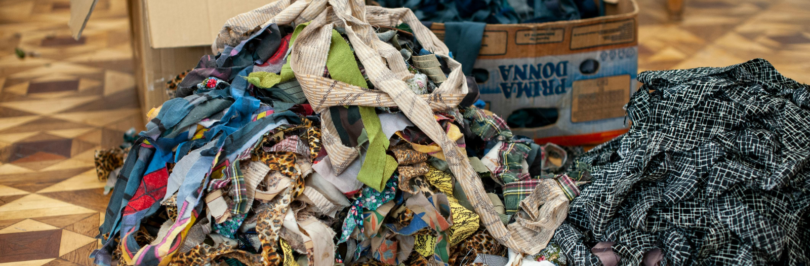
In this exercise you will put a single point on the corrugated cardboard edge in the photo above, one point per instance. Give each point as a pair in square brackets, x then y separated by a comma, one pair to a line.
[624, 10]
[80, 11]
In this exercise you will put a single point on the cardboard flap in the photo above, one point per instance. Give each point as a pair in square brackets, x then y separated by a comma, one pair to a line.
[197, 24]
[80, 11]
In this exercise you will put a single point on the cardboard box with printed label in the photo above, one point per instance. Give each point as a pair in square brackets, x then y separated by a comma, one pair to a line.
[586, 69]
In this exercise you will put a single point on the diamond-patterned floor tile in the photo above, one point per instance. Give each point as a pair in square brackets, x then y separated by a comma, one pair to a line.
[65, 220]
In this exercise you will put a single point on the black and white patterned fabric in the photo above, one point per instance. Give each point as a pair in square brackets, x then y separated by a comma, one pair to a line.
[714, 171]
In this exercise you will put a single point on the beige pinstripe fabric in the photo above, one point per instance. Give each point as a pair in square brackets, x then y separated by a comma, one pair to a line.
[533, 229]
[340, 156]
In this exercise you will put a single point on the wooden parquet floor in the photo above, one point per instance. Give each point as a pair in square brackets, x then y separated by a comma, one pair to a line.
[73, 97]
[726, 32]
[58, 105]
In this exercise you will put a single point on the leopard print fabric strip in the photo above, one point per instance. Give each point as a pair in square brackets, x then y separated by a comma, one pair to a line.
[108, 160]
[309, 133]
[204, 254]
[406, 156]
[410, 171]
[171, 207]
[171, 85]
[479, 243]
[271, 215]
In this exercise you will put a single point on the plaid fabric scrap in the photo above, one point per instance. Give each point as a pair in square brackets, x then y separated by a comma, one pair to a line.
[511, 155]
[238, 190]
[229, 174]
[515, 192]
[485, 124]
[568, 186]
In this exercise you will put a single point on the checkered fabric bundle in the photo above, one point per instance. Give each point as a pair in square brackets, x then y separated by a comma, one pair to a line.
[712, 172]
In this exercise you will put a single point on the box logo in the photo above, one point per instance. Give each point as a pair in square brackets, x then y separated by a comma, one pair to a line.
[529, 80]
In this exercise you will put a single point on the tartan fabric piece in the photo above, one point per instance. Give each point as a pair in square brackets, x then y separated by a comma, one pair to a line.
[713, 171]
[515, 192]
[485, 124]
[568, 186]
[238, 190]
[510, 157]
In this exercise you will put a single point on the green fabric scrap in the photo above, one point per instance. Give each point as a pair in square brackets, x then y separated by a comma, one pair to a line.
[341, 63]
[264, 80]
[439, 163]
[282, 106]
[390, 166]
[458, 193]
[405, 27]
[377, 167]
[377, 163]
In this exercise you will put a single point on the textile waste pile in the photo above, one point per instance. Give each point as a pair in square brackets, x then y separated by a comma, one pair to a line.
[313, 138]
[334, 133]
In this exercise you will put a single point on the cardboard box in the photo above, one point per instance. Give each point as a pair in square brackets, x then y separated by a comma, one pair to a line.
[539, 65]
[168, 37]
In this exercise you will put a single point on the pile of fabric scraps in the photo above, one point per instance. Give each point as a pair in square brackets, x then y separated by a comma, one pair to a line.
[238, 170]
[714, 171]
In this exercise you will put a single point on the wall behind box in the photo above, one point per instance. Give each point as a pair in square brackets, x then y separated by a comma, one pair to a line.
[550, 65]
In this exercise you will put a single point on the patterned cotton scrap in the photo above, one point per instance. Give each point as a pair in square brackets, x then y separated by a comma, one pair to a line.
[515, 192]
[368, 199]
[506, 161]
[419, 83]
[205, 254]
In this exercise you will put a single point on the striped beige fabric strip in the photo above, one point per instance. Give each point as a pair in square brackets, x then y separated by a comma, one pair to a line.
[530, 234]
[254, 174]
[325, 92]
[340, 155]
[238, 28]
